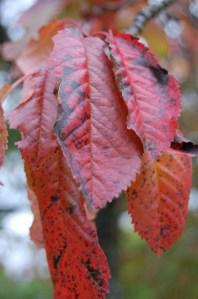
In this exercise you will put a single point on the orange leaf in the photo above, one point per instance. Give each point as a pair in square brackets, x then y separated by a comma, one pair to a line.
[4, 91]
[158, 200]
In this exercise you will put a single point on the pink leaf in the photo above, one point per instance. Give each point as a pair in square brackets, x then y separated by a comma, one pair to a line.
[151, 95]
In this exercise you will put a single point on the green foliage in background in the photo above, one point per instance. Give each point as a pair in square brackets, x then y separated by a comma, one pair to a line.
[142, 274]
[172, 276]
[35, 289]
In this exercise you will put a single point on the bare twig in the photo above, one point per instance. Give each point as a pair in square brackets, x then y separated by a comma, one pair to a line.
[146, 14]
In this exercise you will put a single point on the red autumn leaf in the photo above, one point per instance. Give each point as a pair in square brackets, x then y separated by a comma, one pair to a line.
[75, 143]
[158, 200]
[104, 157]
[151, 95]
[77, 264]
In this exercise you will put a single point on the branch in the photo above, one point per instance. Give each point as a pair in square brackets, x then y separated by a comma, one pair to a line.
[146, 14]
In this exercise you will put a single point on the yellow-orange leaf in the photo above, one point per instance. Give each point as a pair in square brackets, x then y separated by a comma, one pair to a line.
[158, 200]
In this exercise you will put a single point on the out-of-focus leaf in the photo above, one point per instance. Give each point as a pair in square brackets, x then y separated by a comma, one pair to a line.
[32, 20]
[34, 55]
[41, 13]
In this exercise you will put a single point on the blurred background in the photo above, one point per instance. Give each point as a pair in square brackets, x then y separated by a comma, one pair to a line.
[137, 272]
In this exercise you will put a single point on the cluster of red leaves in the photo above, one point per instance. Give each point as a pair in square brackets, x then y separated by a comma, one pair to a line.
[96, 119]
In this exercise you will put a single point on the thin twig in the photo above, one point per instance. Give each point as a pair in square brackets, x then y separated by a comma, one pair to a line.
[146, 14]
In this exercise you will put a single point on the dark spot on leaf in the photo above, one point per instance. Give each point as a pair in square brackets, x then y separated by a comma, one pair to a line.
[71, 209]
[94, 273]
[56, 260]
[54, 198]
[134, 193]
[160, 74]
[56, 88]
[164, 231]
